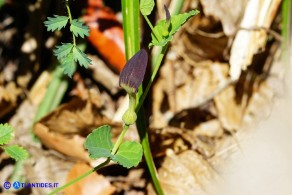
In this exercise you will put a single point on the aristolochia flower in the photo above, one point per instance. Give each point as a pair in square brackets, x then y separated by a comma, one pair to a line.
[133, 73]
[131, 78]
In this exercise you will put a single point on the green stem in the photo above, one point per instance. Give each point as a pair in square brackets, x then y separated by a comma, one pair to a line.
[70, 19]
[120, 139]
[141, 126]
[286, 42]
[115, 148]
[152, 28]
[174, 9]
[154, 73]
[80, 177]
[130, 9]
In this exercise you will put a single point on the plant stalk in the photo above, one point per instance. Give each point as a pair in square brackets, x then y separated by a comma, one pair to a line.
[153, 75]
[70, 20]
[130, 9]
[81, 177]
[120, 139]
[286, 42]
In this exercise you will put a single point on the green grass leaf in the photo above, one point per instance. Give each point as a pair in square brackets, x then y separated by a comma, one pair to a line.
[63, 50]
[98, 143]
[79, 29]
[176, 22]
[81, 57]
[16, 152]
[146, 7]
[6, 133]
[68, 64]
[56, 22]
[129, 154]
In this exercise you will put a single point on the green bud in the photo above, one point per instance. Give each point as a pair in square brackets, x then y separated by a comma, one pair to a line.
[165, 33]
[130, 117]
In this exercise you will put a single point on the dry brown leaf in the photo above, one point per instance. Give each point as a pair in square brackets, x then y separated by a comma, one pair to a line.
[43, 166]
[185, 87]
[94, 184]
[70, 146]
[180, 140]
[202, 41]
[65, 129]
[230, 113]
[8, 97]
[211, 128]
[258, 14]
[229, 12]
[76, 116]
[103, 75]
[9, 92]
[185, 173]
[260, 104]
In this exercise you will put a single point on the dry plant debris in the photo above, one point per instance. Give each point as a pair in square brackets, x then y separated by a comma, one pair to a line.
[209, 90]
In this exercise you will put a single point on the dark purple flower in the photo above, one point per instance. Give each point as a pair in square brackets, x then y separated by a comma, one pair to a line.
[133, 73]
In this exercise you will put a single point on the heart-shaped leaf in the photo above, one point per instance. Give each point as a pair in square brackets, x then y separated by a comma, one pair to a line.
[98, 143]
[129, 154]
[146, 7]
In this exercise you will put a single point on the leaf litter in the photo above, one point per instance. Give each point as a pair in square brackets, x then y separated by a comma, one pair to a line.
[198, 113]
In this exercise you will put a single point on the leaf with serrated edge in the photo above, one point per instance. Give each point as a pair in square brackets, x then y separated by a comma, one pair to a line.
[63, 50]
[81, 57]
[56, 22]
[129, 154]
[16, 152]
[6, 133]
[68, 64]
[98, 143]
[79, 29]
[146, 7]
[176, 22]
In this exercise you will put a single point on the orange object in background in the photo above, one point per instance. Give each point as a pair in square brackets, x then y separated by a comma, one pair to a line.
[106, 33]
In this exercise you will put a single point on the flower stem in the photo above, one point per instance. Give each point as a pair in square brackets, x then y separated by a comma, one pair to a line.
[80, 177]
[152, 28]
[130, 9]
[142, 97]
[120, 139]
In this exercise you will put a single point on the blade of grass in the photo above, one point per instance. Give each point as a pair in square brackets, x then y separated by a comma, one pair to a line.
[53, 94]
[286, 41]
[130, 9]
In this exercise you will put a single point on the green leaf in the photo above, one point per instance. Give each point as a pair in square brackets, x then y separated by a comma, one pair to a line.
[79, 29]
[2, 2]
[146, 7]
[6, 133]
[98, 143]
[81, 57]
[57, 22]
[129, 154]
[176, 22]
[63, 50]
[68, 64]
[16, 152]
